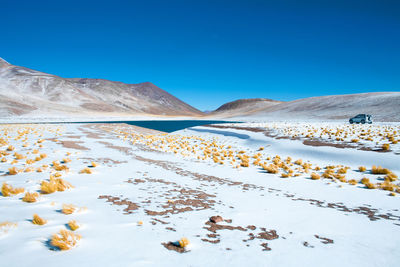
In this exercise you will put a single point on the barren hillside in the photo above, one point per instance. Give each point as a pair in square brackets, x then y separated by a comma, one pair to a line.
[384, 106]
[28, 92]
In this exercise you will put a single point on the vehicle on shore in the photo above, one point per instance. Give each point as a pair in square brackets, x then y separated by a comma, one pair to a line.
[361, 118]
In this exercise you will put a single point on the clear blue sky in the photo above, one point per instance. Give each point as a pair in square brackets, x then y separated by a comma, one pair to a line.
[211, 52]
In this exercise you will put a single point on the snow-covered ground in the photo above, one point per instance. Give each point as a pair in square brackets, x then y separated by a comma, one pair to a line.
[147, 189]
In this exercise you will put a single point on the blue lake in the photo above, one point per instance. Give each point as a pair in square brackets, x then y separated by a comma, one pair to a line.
[166, 125]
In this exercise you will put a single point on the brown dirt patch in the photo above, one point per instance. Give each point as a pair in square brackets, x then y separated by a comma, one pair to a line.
[265, 247]
[213, 227]
[174, 247]
[117, 201]
[215, 241]
[73, 145]
[324, 240]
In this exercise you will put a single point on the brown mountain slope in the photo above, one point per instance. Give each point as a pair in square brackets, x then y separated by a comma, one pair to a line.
[384, 106]
[244, 106]
[26, 91]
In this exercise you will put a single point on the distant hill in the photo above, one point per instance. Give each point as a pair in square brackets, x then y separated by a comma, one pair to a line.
[384, 106]
[244, 106]
[29, 92]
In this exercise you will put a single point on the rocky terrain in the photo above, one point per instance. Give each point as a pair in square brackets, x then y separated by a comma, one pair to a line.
[32, 93]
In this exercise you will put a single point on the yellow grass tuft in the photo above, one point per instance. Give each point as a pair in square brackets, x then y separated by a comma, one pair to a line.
[13, 171]
[55, 184]
[66, 160]
[271, 168]
[386, 147]
[48, 187]
[65, 240]
[37, 220]
[370, 185]
[18, 156]
[68, 209]
[94, 164]
[86, 170]
[315, 176]
[388, 186]
[391, 177]
[30, 197]
[183, 242]
[60, 167]
[298, 162]
[379, 170]
[73, 225]
[364, 180]
[352, 182]
[7, 190]
[362, 168]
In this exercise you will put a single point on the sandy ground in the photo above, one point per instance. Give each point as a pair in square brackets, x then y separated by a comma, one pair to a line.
[147, 190]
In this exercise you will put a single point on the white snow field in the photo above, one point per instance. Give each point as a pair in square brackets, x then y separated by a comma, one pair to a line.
[136, 193]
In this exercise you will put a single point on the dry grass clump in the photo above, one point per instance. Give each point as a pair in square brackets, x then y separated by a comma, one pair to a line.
[286, 175]
[298, 162]
[73, 225]
[244, 164]
[362, 168]
[370, 185]
[183, 242]
[29, 169]
[65, 240]
[30, 161]
[48, 187]
[60, 167]
[62, 185]
[315, 176]
[386, 147]
[352, 181]
[379, 170]
[94, 164]
[391, 177]
[86, 170]
[7, 190]
[68, 209]
[30, 197]
[271, 168]
[18, 156]
[55, 184]
[37, 220]
[328, 173]
[342, 170]
[365, 180]
[388, 186]
[13, 171]
[66, 160]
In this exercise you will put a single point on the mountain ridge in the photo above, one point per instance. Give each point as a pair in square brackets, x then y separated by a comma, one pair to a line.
[24, 90]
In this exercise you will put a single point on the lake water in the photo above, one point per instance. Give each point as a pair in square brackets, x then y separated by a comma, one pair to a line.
[166, 125]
